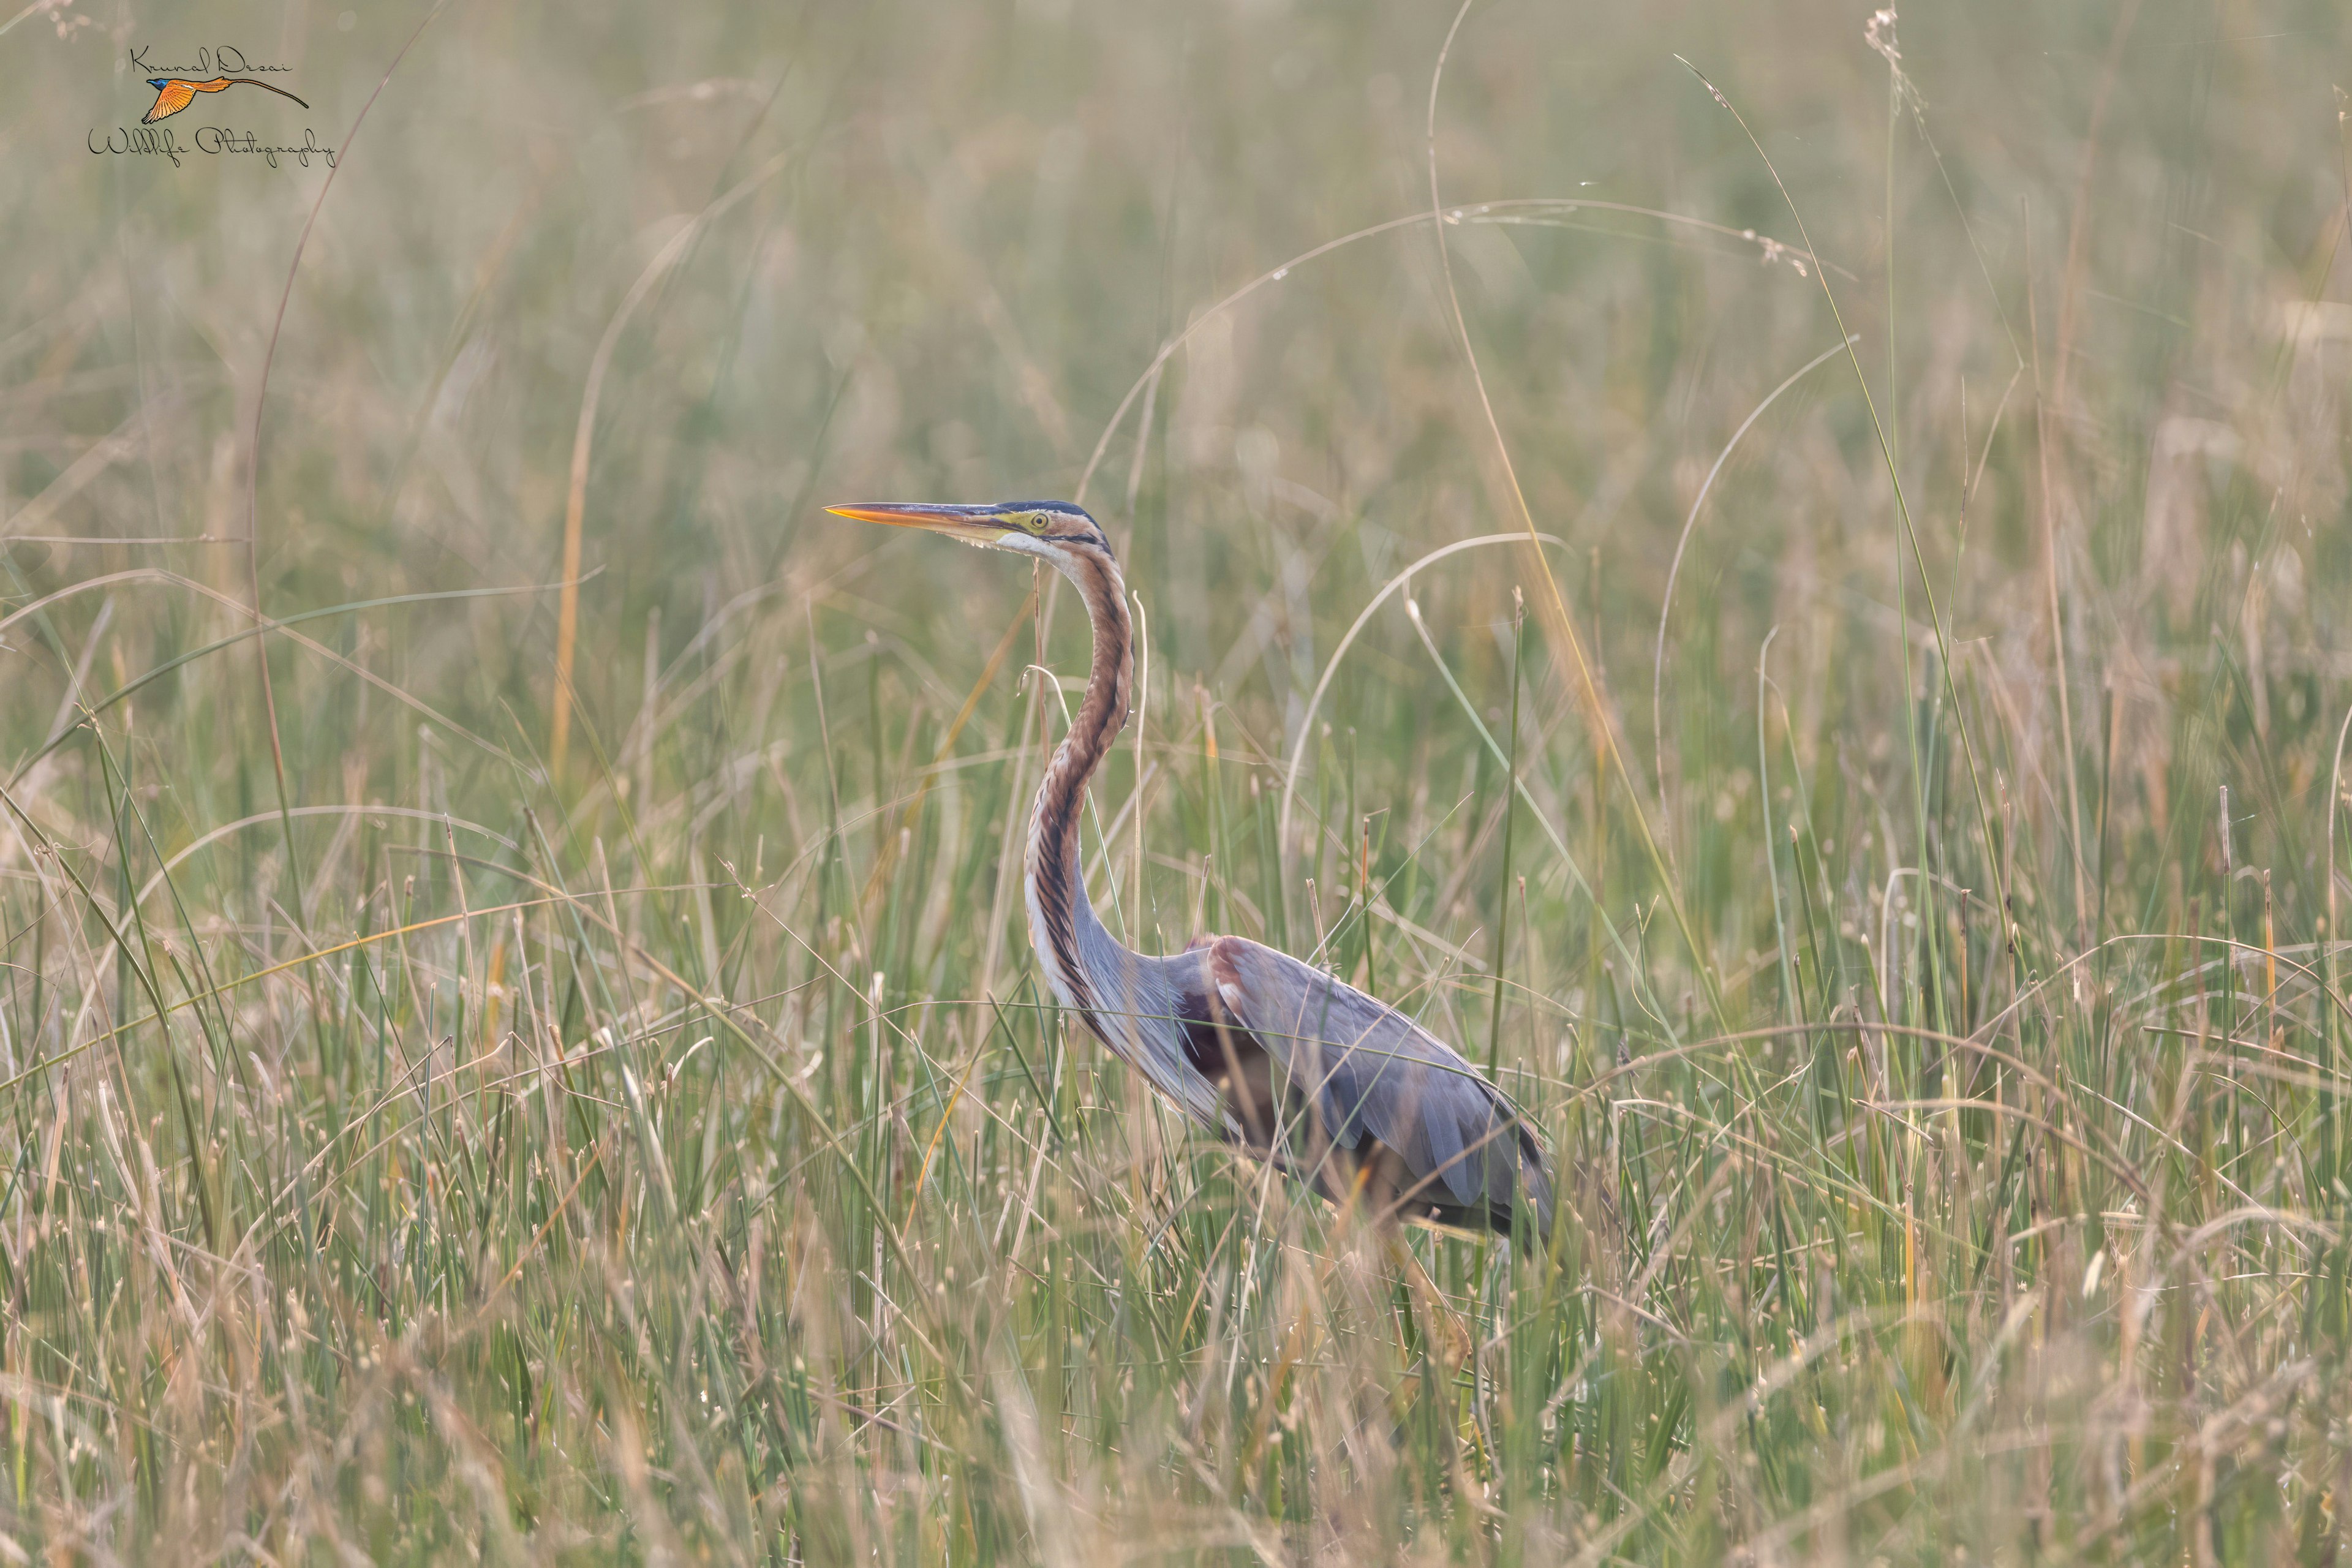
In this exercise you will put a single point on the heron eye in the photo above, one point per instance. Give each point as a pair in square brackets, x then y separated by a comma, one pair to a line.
[1037, 520]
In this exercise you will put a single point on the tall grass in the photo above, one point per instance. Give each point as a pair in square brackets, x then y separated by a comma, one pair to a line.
[417, 1148]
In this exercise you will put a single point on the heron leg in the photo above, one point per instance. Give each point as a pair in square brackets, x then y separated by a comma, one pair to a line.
[1439, 1321]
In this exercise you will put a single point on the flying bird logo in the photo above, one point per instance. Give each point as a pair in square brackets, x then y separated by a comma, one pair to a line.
[174, 93]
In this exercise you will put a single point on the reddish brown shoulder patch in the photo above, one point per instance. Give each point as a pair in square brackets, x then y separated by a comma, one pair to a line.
[1227, 954]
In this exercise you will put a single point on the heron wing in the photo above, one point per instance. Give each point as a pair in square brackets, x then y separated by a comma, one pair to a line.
[170, 98]
[1366, 1068]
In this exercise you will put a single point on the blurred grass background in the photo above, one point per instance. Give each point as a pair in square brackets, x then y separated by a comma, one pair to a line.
[420, 1145]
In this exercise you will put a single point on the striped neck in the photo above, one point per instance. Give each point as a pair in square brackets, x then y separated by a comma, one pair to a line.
[1062, 920]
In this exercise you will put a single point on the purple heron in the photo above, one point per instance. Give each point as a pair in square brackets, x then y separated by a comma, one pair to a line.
[1290, 1064]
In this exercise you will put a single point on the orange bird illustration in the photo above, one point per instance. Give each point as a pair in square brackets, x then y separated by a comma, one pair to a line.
[174, 93]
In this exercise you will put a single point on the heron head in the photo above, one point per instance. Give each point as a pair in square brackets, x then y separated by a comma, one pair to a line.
[1051, 529]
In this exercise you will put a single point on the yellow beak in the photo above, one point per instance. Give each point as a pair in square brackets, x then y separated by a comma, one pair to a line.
[979, 524]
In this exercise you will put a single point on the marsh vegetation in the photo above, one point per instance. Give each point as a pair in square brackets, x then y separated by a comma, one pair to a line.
[519, 1037]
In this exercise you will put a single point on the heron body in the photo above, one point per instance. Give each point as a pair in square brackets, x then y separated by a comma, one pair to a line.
[1289, 1063]
[174, 93]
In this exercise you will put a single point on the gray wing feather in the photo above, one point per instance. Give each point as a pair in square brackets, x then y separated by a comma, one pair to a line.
[1367, 1068]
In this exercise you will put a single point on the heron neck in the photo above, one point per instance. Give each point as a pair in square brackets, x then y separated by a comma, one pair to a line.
[1061, 919]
